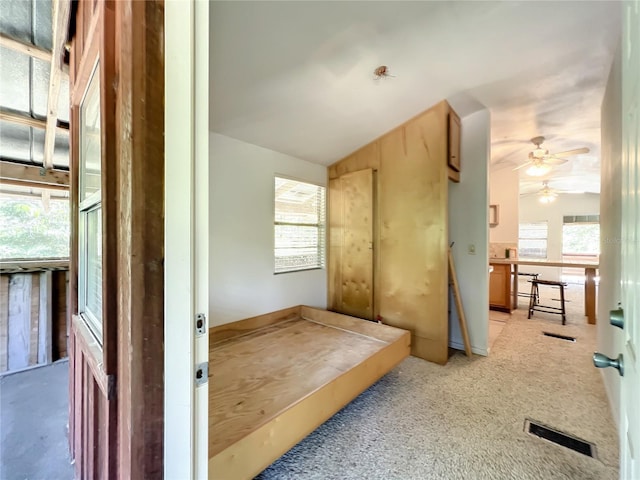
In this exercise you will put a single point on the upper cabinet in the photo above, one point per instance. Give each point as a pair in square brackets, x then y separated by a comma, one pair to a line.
[453, 137]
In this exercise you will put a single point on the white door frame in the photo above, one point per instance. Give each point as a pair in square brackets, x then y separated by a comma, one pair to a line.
[186, 235]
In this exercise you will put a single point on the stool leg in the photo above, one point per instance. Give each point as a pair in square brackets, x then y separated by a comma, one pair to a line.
[532, 299]
[564, 317]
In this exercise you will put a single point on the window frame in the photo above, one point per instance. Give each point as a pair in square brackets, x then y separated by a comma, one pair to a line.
[545, 238]
[87, 205]
[321, 227]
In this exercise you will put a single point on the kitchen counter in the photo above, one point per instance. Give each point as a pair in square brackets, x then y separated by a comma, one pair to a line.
[589, 284]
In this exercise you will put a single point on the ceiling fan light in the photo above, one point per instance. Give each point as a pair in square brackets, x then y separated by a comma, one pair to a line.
[538, 170]
[548, 197]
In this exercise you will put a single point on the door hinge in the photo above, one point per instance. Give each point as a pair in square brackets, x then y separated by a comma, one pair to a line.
[201, 324]
[202, 373]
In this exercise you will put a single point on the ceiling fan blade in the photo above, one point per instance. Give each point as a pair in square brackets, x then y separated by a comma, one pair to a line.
[522, 166]
[552, 160]
[568, 153]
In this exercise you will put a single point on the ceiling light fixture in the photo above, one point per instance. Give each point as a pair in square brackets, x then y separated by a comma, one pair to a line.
[546, 195]
[538, 169]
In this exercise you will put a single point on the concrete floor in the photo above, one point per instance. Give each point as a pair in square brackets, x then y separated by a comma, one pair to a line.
[34, 408]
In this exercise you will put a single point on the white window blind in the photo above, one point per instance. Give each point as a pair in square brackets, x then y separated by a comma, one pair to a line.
[532, 240]
[299, 227]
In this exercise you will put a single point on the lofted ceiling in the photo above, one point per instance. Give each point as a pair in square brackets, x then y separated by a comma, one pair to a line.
[297, 77]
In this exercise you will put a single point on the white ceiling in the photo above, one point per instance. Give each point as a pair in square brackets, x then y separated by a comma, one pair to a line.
[297, 77]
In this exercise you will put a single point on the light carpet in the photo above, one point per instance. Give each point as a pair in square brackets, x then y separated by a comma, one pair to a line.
[466, 419]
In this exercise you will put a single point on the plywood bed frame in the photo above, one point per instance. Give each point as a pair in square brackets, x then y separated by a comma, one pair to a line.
[276, 377]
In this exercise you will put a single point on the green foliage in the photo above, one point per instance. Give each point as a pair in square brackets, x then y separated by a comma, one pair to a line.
[28, 231]
[581, 238]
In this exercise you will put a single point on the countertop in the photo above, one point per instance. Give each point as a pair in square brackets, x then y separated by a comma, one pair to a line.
[542, 263]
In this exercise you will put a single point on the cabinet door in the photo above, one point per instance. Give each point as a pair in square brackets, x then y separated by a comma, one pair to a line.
[499, 291]
[454, 141]
[351, 244]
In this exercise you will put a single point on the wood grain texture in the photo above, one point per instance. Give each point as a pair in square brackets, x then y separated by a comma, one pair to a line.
[27, 120]
[590, 295]
[306, 372]
[334, 247]
[462, 318]
[383, 333]
[413, 229]
[19, 321]
[139, 46]
[500, 287]
[24, 48]
[45, 332]
[59, 313]
[4, 323]
[34, 318]
[224, 332]
[410, 240]
[352, 232]
[32, 175]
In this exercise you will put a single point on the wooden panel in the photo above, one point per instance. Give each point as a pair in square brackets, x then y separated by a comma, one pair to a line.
[366, 157]
[34, 176]
[19, 321]
[384, 333]
[590, 295]
[44, 319]
[34, 319]
[354, 250]
[259, 409]
[500, 287]
[248, 325]
[59, 312]
[139, 43]
[4, 323]
[453, 152]
[413, 229]
[410, 231]
[335, 235]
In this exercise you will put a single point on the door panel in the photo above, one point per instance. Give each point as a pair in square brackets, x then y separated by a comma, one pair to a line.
[630, 257]
[351, 243]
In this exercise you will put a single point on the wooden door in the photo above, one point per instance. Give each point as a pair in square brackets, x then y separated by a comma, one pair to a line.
[116, 299]
[629, 422]
[351, 249]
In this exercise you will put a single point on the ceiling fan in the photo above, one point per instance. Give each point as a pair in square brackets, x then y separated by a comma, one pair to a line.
[547, 194]
[541, 161]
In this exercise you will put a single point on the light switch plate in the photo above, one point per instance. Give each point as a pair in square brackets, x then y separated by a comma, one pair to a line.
[472, 249]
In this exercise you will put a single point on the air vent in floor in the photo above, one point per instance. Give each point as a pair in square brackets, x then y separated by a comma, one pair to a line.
[560, 438]
[562, 337]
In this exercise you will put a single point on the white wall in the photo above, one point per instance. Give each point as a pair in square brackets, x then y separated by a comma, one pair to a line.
[503, 191]
[531, 211]
[610, 338]
[242, 283]
[469, 225]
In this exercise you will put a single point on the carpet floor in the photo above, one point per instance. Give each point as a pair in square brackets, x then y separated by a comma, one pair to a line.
[466, 420]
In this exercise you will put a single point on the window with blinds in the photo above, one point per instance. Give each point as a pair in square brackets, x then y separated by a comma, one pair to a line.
[299, 227]
[532, 240]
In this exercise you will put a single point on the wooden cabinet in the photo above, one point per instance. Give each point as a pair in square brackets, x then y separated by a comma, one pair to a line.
[453, 145]
[500, 287]
[409, 210]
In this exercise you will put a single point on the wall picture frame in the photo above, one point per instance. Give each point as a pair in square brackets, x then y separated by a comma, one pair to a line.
[494, 212]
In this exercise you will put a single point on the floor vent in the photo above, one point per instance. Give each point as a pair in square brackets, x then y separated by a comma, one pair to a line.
[562, 337]
[576, 444]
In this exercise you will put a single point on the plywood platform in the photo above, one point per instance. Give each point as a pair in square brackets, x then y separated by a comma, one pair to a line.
[277, 377]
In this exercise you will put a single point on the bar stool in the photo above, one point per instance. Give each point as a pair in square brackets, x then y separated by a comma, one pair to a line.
[535, 291]
[547, 308]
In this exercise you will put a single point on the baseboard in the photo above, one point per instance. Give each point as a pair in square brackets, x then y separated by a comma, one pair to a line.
[460, 346]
